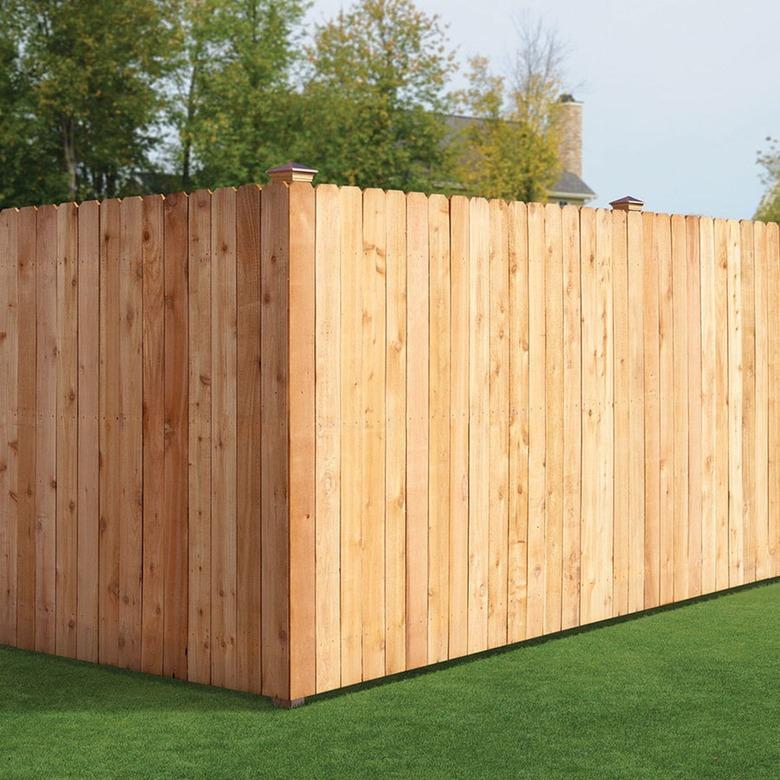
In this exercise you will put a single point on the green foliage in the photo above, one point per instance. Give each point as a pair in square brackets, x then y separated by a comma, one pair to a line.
[105, 99]
[375, 91]
[24, 172]
[512, 151]
[236, 111]
[769, 208]
[84, 92]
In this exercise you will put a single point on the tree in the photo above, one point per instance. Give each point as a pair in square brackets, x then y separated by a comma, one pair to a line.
[375, 91]
[81, 93]
[235, 109]
[511, 150]
[769, 208]
[26, 152]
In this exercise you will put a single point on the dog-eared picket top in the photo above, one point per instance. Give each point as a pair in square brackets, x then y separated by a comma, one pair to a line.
[286, 439]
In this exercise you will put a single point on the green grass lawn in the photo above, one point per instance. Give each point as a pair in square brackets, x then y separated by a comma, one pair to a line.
[692, 691]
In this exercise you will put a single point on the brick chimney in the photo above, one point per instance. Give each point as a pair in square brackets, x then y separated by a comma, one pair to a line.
[571, 134]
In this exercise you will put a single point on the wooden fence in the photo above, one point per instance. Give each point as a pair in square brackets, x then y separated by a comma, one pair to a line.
[130, 451]
[290, 439]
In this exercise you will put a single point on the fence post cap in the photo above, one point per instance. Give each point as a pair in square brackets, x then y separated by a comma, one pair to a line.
[627, 203]
[292, 171]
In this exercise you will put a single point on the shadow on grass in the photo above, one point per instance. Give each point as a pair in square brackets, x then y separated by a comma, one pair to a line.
[541, 640]
[32, 682]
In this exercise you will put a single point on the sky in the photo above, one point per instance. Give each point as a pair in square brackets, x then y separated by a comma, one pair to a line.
[679, 95]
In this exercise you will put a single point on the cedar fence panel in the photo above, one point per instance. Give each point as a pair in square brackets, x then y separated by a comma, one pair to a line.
[292, 439]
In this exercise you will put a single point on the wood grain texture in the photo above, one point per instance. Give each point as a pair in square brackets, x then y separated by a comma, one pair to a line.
[736, 325]
[694, 359]
[537, 427]
[274, 374]
[417, 428]
[722, 430]
[45, 428]
[459, 427]
[26, 405]
[88, 428]
[372, 382]
[748, 365]
[9, 222]
[110, 227]
[773, 475]
[176, 454]
[663, 253]
[479, 423]
[351, 215]
[199, 428]
[636, 414]
[130, 477]
[439, 426]
[224, 540]
[66, 447]
[517, 588]
[153, 435]
[328, 422]
[598, 417]
[395, 435]
[248, 435]
[679, 393]
[499, 425]
[572, 423]
[302, 489]
[622, 432]
[553, 417]
[709, 454]
[763, 567]
[651, 410]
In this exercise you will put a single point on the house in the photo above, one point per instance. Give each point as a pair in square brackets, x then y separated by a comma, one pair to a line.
[570, 187]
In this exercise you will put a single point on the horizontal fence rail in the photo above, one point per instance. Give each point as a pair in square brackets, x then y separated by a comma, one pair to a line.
[291, 439]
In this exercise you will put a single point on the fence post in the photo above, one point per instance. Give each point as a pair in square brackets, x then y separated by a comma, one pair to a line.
[287, 379]
[627, 203]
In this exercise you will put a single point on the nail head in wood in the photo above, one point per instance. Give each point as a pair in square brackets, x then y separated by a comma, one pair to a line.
[627, 203]
[292, 171]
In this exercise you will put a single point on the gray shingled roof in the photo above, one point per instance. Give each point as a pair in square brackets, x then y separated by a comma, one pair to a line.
[570, 184]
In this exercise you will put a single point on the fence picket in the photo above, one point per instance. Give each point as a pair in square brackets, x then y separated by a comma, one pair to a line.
[395, 434]
[417, 429]
[536, 422]
[153, 514]
[459, 422]
[517, 596]
[66, 544]
[89, 356]
[176, 400]
[439, 425]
